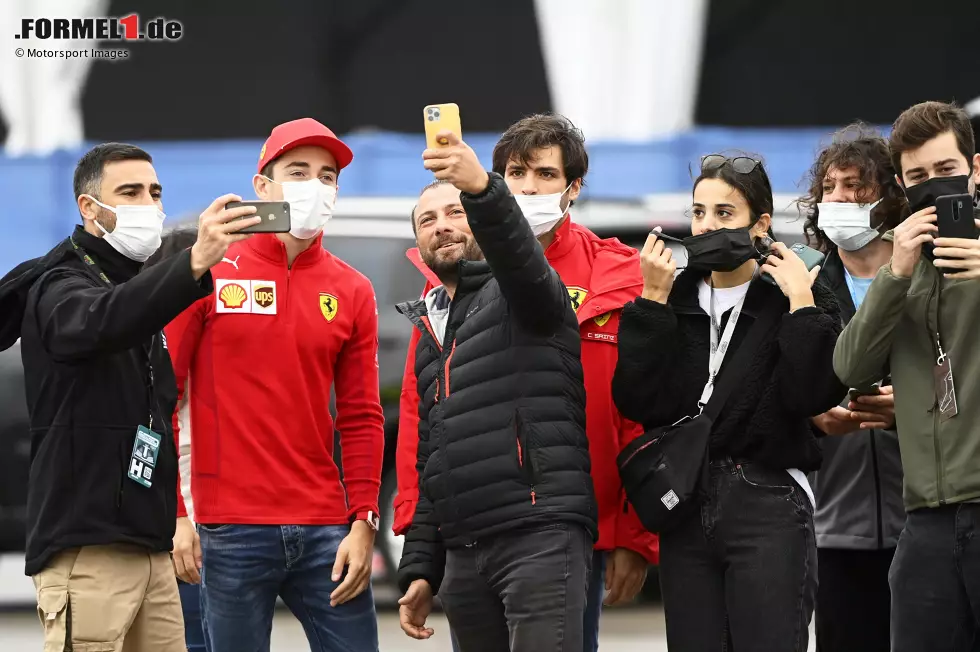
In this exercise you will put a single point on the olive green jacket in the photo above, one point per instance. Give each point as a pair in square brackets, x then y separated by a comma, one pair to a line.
[895, 331]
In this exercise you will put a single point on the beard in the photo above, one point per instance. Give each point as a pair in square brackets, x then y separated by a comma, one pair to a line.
[107, 219]
[445, 263]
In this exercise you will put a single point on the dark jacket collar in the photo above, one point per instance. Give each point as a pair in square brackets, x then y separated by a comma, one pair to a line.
[833, 274]
[116, 266]
[684, 295]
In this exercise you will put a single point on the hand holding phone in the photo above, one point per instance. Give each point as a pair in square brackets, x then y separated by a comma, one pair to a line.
[855, 394]
[810, 257]
[957, 249]
[273, 215]
[955, 217]
[441, 118]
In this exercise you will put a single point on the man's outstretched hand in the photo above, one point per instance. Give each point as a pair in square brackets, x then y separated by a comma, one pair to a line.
[456, 163]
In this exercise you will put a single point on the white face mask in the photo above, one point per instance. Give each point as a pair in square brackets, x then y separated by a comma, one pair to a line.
[311, 205]
[847, 225]
[138, 229]
[542, 212]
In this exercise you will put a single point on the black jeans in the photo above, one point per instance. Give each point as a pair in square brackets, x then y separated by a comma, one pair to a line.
[522, 591]
[853, 600]
[935, 581]
[744, 571]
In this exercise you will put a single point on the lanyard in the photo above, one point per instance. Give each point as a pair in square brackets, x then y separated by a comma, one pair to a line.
[94, 268]
[718, 348]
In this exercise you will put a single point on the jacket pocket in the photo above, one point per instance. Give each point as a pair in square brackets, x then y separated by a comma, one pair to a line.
[54, 610]
[524, 458]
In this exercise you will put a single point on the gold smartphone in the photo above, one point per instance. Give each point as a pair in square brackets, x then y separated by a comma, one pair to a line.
[439, 118]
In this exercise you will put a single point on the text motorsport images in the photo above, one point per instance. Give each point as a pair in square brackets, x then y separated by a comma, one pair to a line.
[94, 53]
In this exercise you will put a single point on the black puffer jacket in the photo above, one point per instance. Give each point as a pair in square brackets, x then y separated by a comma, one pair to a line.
[663, 366]
[502, 442]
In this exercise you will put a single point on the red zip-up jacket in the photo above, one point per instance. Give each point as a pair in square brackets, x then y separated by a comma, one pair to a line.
[257, 360]
[601, 277]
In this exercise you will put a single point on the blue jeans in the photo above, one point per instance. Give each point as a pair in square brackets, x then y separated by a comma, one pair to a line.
[190, 602]
[593, 605]
[247, 566]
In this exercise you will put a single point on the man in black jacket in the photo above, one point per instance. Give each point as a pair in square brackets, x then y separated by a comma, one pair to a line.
[506, 512]
[101, 503]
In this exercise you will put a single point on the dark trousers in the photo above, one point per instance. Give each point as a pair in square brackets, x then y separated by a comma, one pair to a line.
[935, 581]
[523, 591]
[743, 569]
[853, 600]
[593, 604]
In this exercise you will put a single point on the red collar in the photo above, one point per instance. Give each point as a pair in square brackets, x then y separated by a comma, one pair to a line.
[563, 243]
[416, 257]
[272, 248]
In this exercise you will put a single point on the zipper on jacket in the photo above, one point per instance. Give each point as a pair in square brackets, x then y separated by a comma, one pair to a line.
[449, 360]
[877, 477]
[528, 468]
[940, 475]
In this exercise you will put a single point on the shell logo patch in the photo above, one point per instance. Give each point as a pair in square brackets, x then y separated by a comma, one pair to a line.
[328, 306]
[577, 296]
[262, 153]
[233, 297]
[602, 319]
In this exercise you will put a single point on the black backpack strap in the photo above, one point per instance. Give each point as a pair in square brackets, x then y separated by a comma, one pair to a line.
[738, 365]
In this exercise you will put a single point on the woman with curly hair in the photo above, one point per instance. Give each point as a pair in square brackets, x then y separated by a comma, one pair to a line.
[852, 204]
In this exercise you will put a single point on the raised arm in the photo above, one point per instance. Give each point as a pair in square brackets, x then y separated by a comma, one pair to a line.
[79, 317]
[532, 289]
[863, 349]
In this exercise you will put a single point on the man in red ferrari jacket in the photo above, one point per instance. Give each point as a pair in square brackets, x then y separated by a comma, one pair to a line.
[544, 162]
[287, 321]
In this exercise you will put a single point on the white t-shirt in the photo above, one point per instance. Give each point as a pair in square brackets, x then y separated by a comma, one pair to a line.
[437, 307]
[725, 300]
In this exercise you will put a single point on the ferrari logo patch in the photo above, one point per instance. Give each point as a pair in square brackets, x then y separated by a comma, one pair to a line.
[577, 295]
[328, 306]
[602, 319]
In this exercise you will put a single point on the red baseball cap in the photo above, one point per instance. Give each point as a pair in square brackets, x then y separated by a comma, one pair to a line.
[305, 131]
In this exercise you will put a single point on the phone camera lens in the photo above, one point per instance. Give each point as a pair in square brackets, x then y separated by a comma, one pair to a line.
[435, 115]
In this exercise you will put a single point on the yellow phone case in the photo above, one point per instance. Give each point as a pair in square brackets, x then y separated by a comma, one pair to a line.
[439, 118]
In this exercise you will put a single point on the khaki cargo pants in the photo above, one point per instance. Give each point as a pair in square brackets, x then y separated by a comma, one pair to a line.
[114, 598]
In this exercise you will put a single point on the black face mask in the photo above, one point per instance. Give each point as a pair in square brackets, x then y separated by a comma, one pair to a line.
[721, 250]
[924, 195]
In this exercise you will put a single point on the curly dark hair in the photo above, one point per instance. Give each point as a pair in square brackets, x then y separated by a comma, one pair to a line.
[862, 148]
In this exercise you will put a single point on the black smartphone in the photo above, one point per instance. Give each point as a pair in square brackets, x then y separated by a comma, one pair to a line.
[274, 216]
[955, 217]
[855, 394]
[810, 257]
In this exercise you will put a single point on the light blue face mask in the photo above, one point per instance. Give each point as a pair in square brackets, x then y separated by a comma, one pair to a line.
[847, 225]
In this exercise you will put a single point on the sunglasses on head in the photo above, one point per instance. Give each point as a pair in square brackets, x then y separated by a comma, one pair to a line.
[741, 164]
